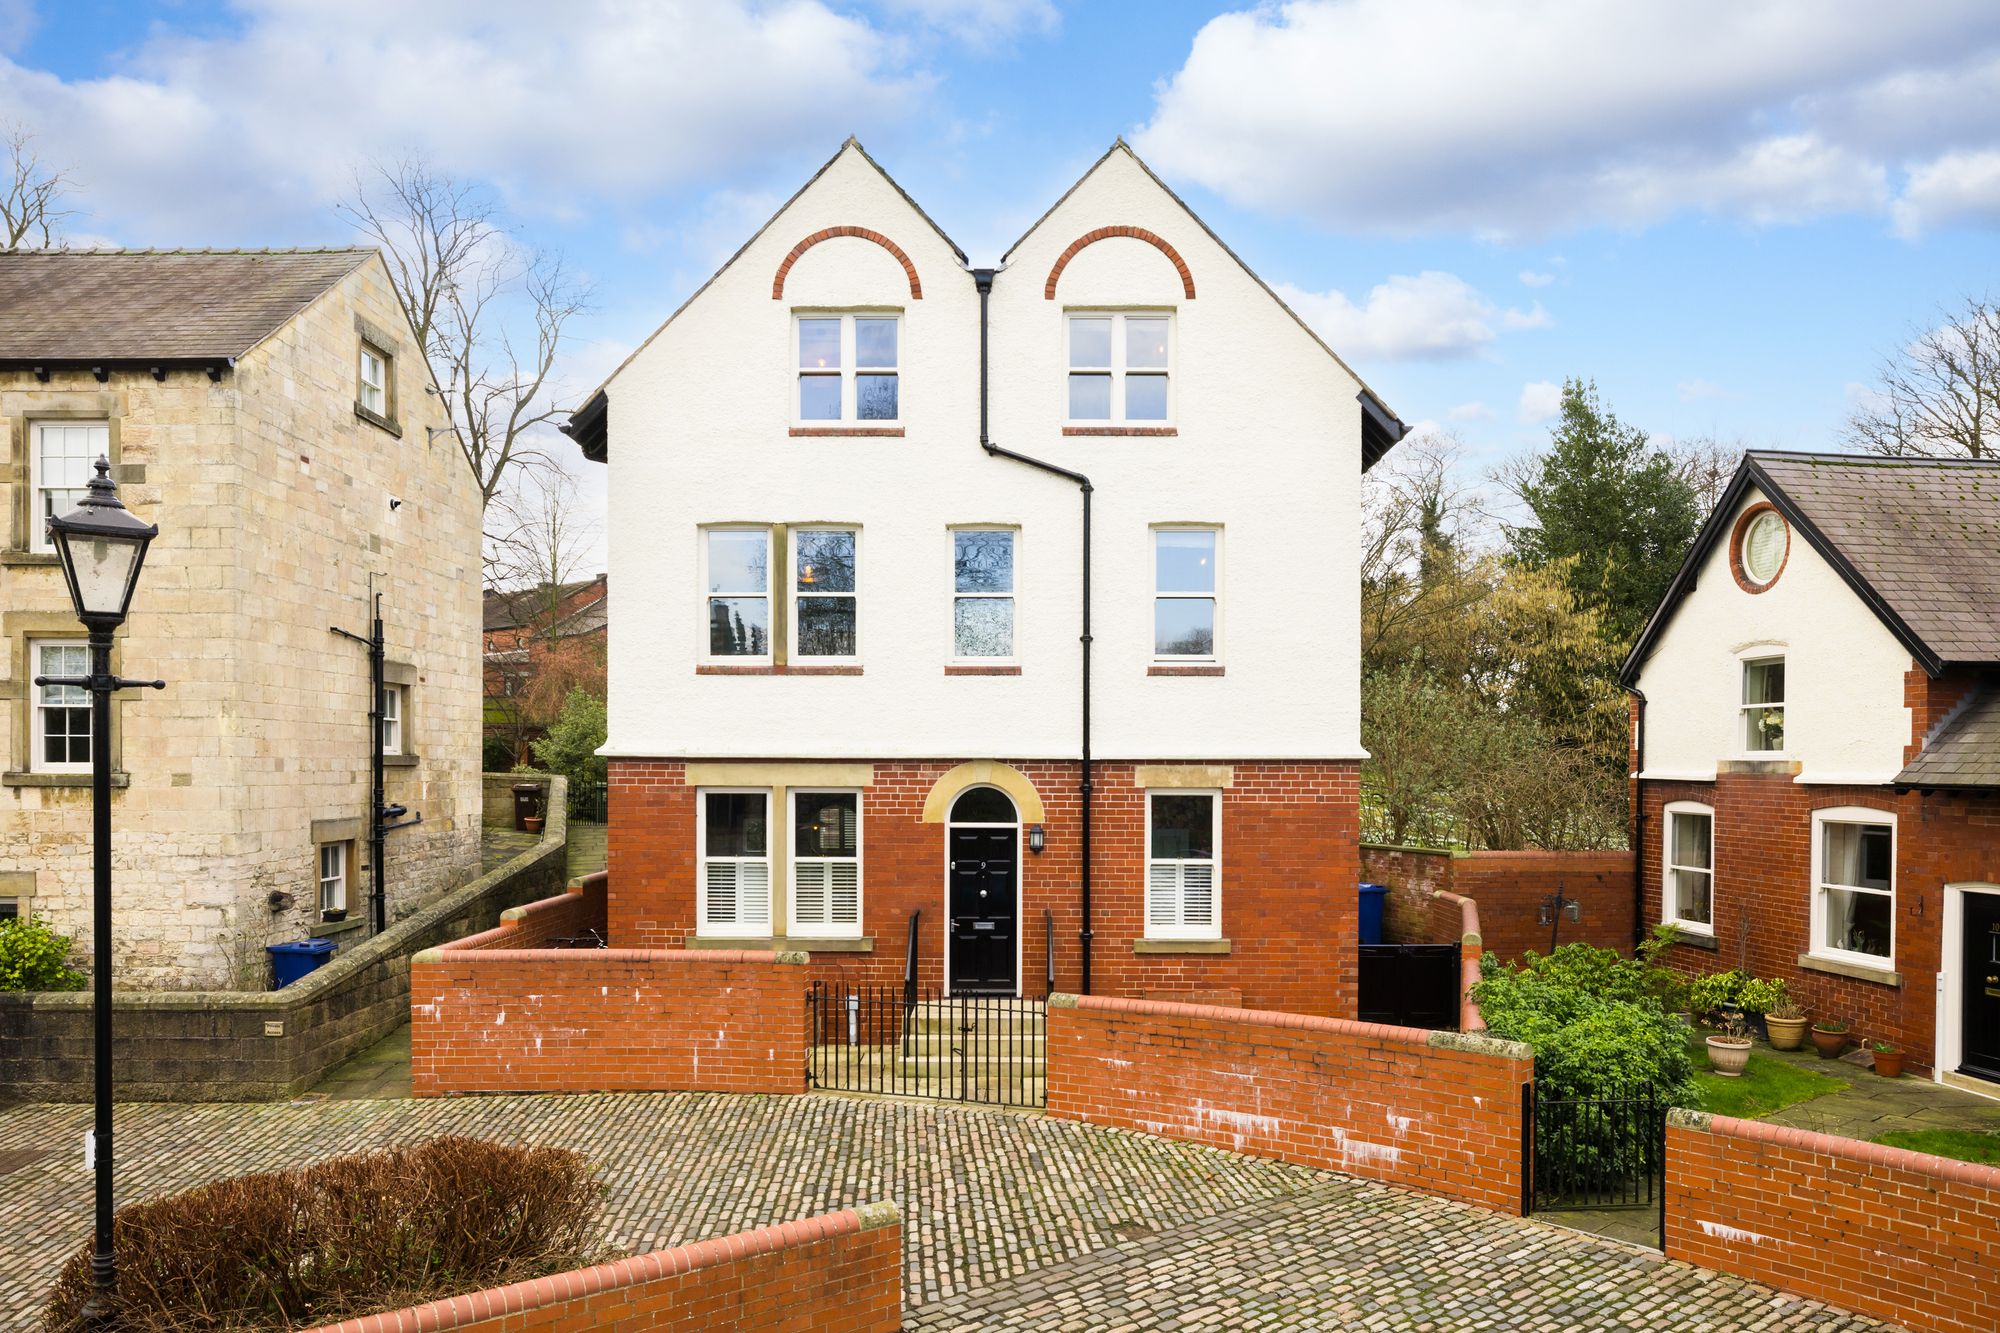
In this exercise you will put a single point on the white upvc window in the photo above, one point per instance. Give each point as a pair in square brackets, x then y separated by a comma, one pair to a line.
[1184, 593]
[333, 880]
[1120, 368]
[1854, 886]
[982, 594]
[1183, 864]
[826, 863]
[736, 566]
[61, 736]
[826, 594]
[733, 851]
[393, 698]
[847, 368]
[373, 389]
[59, 461]
[1687, 880]
[1764, 705]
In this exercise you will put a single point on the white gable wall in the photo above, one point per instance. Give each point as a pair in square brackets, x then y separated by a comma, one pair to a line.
[1844, 714]
[1269, 448]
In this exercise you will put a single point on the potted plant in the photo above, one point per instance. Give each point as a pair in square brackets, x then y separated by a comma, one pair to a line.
[1786, 1022]
[1729, 1050]
[1888, 1058]
[1758, 997]
[1829, 1037]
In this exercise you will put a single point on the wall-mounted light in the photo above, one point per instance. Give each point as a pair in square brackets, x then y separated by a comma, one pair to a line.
[1037, 839]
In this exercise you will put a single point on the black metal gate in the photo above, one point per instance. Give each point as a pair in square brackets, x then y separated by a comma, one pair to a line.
[1410, 985]
[902, 1042]
[1597, 1153]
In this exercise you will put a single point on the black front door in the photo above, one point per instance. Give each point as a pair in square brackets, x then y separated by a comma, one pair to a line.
[984, 902]
[1979, 1041]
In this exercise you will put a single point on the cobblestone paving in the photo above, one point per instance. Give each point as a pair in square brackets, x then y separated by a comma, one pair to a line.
[1011, 1220]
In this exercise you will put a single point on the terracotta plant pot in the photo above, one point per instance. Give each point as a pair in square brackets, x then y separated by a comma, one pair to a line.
[1889, 1064]
[1728, 1055]
[1787, 1034]
[1829, 1044]
[532, 823]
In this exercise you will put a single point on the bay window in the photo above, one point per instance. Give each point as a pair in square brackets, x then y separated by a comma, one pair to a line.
[733, 851]
[1183, 837]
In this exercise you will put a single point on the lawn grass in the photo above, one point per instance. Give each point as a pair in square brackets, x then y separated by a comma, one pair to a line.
[1967, 1145]
[1766, 1085]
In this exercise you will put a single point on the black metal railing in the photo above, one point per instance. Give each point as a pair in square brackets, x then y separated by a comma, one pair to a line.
[590, 801]
[901, 1041]
[1598, 1152]
[1049, 942]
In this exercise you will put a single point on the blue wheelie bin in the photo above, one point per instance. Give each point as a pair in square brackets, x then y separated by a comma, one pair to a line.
[295, 958]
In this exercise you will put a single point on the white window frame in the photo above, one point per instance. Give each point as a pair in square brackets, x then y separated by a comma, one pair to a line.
[794, 595]
[951, 587]
[708, 596]
[38, 726]
[846, 372]
[1161, 594]
[1180, 930]
[827, 929]
[342, 851]
[1759, 657]
[380, 387]
[1850, 814]
[1118, 370]
[1692, 810]
[395, 713]
[738, 928]
[38, 525]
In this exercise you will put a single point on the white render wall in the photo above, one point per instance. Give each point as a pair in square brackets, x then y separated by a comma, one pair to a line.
[1844, 714]
[1268, 448]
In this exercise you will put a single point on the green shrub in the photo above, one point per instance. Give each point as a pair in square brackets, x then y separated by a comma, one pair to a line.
[496, 754]
[33, 957]
[1708, 996]
[573, 741]
[1761, 996]
[341, 1238]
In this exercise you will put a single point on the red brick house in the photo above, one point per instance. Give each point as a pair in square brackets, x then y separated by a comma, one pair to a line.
[1817, 745]
[527, 630]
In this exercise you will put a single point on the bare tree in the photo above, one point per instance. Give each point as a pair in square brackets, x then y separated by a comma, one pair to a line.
[1940, 395]
[538, 539]
[1707, 465]
[491, 318]
[31, 194]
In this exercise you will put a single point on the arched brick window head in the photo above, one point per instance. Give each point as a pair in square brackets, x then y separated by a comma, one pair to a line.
[778, 282]
[1106, 233]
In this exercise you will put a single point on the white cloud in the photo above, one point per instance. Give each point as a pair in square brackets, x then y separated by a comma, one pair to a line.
[17, 24]
[1472, 411]
[979, 22]
[1578, 114]
[215, 137]
[1530, 278]
[1429, 315]
[1957, 187]
[1540, 401]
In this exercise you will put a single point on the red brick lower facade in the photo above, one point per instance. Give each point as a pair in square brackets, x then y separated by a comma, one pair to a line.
[1288, 865]
[1763, 892]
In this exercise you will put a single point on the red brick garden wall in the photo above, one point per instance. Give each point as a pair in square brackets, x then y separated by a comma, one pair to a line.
[1432, 1111]
[533, 925]
[1902, 1236]
[839, 1273]
[1289, 869]
[1509, 888]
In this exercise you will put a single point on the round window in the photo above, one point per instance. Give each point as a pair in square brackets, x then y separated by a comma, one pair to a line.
[1764, 544]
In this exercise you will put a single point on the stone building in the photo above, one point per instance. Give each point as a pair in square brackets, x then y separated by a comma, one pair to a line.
[272, 413]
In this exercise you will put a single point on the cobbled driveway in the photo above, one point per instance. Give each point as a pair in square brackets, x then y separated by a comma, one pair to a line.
[1010, 1220]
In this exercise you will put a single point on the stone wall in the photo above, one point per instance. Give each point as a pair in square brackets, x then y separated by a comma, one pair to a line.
[273, 498]
[497, 797]
[194, 1046]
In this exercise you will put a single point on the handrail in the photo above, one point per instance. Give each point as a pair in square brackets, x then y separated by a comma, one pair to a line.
[910, 948]
[1049, 939]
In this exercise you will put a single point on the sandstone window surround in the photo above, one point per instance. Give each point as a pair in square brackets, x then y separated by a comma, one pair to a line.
[348, 834]
[376, 352]
[336, 876]
[26, 540]
[17, 894]
[401, 715]
[22, 630]
[769, 787]
[59, 732]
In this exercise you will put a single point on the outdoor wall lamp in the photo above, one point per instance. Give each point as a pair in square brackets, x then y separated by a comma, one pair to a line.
[1037, 839]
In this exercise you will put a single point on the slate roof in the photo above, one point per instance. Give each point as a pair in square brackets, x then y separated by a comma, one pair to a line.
[1965, 752]
[156, 305]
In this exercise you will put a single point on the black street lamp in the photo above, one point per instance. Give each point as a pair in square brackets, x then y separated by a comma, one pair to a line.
[101, 546]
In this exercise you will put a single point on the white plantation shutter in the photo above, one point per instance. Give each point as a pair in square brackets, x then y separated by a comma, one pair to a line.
[826, 893]
[738, 893]
[1163, 895]
[1180, 898]
[1198, 894]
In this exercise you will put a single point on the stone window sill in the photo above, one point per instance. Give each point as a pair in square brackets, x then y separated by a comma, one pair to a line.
[1840, 967]
[400, 760]
[835, 432]
[780, 669]
[1163, 669]
[321, 930]
[1156, 432]
[1180, 946]
[18, 779]
[17, 558]
[1688, 938]
[380, 422]
[966, 670]
[785, 943]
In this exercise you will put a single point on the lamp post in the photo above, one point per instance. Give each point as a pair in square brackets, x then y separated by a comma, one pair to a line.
[101, 546]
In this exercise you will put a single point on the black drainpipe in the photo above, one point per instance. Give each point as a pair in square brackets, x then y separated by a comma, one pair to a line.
[1639, 825]
[983, 278]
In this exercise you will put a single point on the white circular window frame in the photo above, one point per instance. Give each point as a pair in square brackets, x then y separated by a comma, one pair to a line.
[1766, 520]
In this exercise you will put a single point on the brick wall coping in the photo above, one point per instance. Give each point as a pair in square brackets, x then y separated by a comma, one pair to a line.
[459, 1311]
[1271, 1018]
[1853, 1150]
[457, 953]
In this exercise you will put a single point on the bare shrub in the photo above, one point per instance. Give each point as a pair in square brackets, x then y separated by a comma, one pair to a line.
[346, 1237]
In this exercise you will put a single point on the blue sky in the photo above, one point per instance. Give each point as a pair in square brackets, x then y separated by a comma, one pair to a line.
[1724, 213]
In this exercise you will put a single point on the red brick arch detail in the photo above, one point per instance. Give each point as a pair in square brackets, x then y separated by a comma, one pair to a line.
[778, 282]
[1106, 233]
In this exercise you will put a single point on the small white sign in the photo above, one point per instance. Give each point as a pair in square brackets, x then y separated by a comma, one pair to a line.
[90, 1150]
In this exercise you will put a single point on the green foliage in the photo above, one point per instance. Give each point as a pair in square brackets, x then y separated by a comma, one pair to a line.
[1708, 996]
[496, 754]
[1761, 995]
[1593, 1021]
[33, 957]
[1605, 497]
[571, 746]
[1766, 1085]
